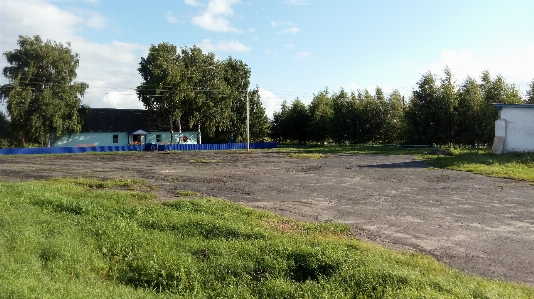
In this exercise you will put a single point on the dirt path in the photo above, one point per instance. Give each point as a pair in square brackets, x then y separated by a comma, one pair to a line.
[475, 223]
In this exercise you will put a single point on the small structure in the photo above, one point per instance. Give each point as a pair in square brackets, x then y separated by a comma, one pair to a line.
[514, 130]
[110, 127]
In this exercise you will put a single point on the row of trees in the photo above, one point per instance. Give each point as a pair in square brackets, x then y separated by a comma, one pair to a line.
[437, 112]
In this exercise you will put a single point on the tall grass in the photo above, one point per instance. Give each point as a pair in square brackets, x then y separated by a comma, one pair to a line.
[67, 239]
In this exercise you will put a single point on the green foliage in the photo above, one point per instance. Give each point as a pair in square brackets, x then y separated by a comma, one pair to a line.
[195, 86]
[438, 112]
[6, 136]
[321, 113]
[530, 93]
[63, 240]
[43, 100]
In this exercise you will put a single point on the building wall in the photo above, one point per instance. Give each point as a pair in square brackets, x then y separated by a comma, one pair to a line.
[517, 126]
[106, 139]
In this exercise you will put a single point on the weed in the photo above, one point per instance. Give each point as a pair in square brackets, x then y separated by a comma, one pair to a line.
[186, 193]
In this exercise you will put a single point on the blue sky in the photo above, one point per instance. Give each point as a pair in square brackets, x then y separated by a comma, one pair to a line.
[295, 48]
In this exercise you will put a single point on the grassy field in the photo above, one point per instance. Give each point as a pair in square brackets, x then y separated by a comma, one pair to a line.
[518, 166]
[81, 238]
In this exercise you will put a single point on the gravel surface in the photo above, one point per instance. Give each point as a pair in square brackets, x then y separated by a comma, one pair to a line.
[478, 224]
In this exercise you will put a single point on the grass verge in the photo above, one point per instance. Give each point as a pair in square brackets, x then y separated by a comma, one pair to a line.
[65, 239]
[517, 166]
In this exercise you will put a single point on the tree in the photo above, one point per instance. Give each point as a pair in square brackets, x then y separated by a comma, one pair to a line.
[297, 122]
[468, 119]
[395, 112]
[161, 90]
[430, 114]
[194, 85]
[342, 121]
[279, 129]
[320, 112]
[5, 131]
[259, 122]
[530, 93]
[494, 91]
[43, 100]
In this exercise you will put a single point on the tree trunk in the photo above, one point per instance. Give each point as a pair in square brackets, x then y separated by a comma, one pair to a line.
[179, 132]
[199, 137]
[172, 132]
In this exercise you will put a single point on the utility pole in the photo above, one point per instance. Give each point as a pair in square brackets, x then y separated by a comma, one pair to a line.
[248, 125]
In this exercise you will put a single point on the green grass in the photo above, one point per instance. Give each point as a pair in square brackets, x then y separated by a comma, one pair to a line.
[185, 193]
[312, 156]
[517, 166]
[68, 239]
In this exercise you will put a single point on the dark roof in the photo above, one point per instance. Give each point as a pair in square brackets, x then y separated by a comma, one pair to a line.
[499, 106]
[122, 120]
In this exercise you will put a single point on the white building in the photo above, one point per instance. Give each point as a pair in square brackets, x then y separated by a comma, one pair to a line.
[514, 130]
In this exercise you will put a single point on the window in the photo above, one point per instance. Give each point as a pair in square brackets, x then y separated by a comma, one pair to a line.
[158, 138]
[115, 138]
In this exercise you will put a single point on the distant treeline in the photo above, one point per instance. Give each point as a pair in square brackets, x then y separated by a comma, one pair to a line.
[438, 111]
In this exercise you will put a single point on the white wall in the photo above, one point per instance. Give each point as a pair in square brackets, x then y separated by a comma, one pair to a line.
[519, 129]
[106, 139]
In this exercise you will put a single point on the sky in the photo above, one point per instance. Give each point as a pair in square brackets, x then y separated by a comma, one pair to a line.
[294, 48]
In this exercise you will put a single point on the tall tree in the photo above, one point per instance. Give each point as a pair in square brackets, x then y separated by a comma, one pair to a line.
[468, 119]
[279, 128]
[394, 123]
[259, 122]
[530, 93]
[430, 113]
[162, 89]
[43, 100]
[320, 112]
[342, 122]
[297, 121]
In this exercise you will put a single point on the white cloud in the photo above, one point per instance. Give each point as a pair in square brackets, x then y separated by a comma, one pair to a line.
[110, 69]
[122, 99]
[273, 24]
[296, 2]
[270, 102]
[292, 30]
[170, 18]
[214, 17]
[192, 2]
[303, 55]
[514, 64]
[231, 46]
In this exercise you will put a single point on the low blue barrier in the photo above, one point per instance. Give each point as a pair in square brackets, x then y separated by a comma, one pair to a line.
[146, 147]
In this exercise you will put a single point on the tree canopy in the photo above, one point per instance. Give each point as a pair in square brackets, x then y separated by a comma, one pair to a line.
[190, 84]
[43, 100]
[437, 112]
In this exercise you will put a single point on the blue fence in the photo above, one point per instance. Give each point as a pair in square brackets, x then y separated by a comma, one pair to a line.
[146, 147]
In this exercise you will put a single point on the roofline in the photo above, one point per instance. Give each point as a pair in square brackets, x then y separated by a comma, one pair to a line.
[499, 106]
